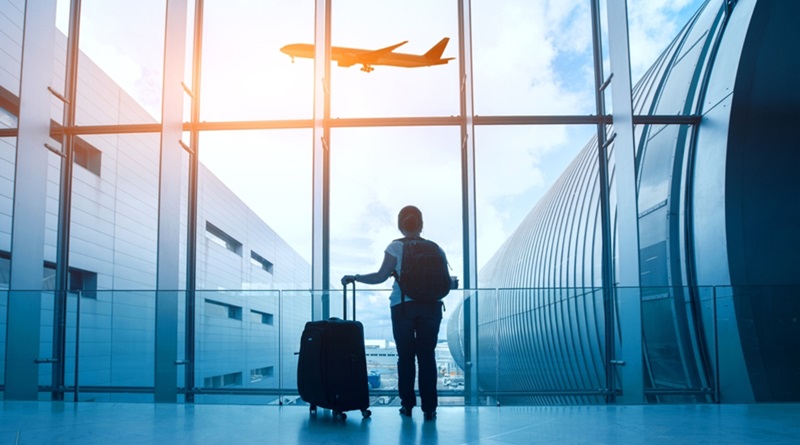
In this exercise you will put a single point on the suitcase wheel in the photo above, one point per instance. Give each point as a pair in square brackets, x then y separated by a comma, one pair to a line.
[312, 409]
[339, 415]
[366, 413]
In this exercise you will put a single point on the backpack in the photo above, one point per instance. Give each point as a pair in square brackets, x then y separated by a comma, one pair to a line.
[424, 274]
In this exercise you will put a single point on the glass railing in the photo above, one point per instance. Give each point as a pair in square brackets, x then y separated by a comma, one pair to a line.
[534, 346]
[541, 346]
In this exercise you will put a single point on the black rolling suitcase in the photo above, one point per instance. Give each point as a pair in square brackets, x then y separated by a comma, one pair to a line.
[332, 367]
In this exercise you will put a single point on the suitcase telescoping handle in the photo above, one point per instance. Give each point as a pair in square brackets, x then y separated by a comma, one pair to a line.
[344, 302]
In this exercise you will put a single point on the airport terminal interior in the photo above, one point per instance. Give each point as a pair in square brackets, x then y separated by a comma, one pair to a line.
[184, 183]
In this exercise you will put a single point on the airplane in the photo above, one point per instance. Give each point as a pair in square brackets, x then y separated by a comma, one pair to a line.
[347, 57]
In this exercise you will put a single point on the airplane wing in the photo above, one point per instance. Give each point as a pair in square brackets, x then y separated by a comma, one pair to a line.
[370, 56]
[350, 56]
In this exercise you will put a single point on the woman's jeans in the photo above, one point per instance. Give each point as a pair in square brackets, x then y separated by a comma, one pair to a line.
[416, 332]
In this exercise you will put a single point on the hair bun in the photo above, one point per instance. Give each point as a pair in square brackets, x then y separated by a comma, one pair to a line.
[410, 219]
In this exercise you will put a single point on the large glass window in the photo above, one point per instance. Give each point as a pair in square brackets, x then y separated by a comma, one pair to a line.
[532, 57]
[245, 74]
[120, 70]
[515, 167]
[390, 90]
[255, 186]
[374, 173]
[255, 190]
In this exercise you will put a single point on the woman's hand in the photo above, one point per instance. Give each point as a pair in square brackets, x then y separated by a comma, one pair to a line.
[347, 279]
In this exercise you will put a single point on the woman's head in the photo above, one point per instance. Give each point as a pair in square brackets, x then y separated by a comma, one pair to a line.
[409, 220]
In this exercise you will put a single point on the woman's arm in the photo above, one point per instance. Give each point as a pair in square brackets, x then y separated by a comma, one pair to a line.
[383, 274]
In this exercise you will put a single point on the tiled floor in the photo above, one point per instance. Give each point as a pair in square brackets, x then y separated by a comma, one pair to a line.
[129, 423]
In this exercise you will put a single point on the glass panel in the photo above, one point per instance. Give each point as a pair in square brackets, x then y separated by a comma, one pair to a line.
[62, 17]
[545, 346]
[295, 311]
[603, 7]
[392, 90]
[253, 233]
[706, 302]
[113, 245]
[116, 345]
[767, 319]
[114, 217]
[240, 343]
[377, 171]
[651, 27]
[12, 20]
[245, 74]
[45, 339]
[189, 64]
[255, 188]
[661, 149]
[449, 351]
[247, 344]
[532, 57]
[541, 346]
[678, 340]
[120, 71]
[374, 173]
[57, 106]
[8, 158]
[515, 166]
[382, 353]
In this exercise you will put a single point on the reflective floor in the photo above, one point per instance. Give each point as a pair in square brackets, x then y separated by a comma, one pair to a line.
[129, 423]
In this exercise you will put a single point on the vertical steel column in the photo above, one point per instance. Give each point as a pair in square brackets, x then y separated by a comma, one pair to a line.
[167, 283]
[320, 267]
[191, 219]
[30, 197]
[468, 202]
[628, 302]
[65, 207]
[607, 272]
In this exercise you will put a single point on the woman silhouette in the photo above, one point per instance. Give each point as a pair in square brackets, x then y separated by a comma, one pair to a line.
[415, 325]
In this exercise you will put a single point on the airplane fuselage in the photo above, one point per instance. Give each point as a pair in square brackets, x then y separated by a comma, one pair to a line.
[367, 58]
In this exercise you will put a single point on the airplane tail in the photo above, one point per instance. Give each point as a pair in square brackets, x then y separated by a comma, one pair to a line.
[436, 52]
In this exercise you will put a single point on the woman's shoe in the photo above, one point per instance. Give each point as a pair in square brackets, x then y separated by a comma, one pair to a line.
[405, 411]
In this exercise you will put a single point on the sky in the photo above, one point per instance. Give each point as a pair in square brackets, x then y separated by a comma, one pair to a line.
[530, 57]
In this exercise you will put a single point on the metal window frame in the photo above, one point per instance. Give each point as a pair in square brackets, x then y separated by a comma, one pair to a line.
[34, 125]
